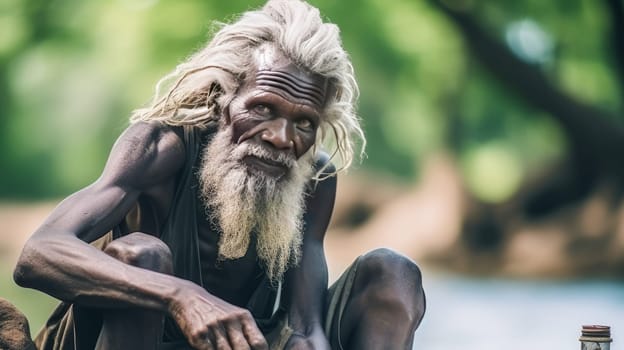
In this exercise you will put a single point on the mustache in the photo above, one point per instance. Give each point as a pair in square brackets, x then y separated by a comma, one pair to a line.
[286, 159]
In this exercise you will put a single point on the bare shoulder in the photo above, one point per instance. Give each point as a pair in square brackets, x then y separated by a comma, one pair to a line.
[144, 155]
[327, 170]
[323, 161]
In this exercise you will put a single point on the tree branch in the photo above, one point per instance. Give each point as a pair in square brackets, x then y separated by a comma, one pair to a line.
[593, 135]
[615, 8]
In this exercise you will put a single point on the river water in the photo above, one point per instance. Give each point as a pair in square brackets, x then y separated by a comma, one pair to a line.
[487, 314]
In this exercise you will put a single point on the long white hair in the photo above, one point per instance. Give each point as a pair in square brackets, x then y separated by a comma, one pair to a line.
[201, 88]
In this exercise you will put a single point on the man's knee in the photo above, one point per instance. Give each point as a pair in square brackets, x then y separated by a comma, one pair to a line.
[387, 266]
[391, 280]
[142, 250]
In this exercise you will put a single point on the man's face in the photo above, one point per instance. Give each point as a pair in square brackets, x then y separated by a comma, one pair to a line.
[256, 167]
[279, 109]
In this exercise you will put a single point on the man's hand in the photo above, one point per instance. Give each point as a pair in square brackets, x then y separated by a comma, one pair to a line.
[211, 323]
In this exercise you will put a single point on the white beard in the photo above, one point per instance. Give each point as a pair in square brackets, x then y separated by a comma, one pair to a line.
[241, 200]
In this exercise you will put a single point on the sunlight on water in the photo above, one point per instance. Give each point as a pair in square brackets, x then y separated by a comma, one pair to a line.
[469, 313]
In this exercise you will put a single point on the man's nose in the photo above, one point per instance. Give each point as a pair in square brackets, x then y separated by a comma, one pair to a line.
[279, 133]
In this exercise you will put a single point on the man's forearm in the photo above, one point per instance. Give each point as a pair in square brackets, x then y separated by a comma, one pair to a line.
[71, 270]
[67, 268]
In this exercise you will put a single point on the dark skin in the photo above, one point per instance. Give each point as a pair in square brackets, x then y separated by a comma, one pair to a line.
[279, 108]
[143, 166]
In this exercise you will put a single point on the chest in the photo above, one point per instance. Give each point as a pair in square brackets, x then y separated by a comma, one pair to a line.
[233, 280]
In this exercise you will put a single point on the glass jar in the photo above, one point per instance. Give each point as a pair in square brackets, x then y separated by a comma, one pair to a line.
[596, 337]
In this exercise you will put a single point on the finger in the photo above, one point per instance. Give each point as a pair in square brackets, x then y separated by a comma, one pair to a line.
[254, 336]
[219, 339]
[206, 345]
[203, 342]
[237, 338]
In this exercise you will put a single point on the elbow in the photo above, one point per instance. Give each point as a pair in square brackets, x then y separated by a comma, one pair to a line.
[22, 275]
[25, 272]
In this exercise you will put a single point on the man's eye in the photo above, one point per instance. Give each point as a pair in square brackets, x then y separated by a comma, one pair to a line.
[262, 109]
[305, 124]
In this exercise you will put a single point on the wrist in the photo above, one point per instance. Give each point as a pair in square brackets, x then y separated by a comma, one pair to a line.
[174, 298]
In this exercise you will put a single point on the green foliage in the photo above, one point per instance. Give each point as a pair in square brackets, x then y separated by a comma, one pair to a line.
[71, 72]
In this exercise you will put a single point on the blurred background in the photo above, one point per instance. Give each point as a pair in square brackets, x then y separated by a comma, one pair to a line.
[494, 158]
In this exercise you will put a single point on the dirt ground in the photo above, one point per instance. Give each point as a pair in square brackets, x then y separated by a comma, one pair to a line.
[19, 220]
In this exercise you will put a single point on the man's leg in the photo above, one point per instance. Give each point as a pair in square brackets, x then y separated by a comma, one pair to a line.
[135, 328]
[382, 301]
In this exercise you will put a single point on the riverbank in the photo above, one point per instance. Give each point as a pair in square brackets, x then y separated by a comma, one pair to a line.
[467, 313]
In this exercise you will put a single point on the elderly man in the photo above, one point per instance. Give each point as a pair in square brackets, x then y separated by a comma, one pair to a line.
[207, 223]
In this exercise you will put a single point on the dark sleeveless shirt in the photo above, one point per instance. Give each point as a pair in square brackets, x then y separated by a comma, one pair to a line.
[180, 230]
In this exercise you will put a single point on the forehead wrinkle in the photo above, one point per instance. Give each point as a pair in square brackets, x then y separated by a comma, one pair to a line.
[298, 79]
[289, 85]
[293, 78]
[311, 106]
[276, 87]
